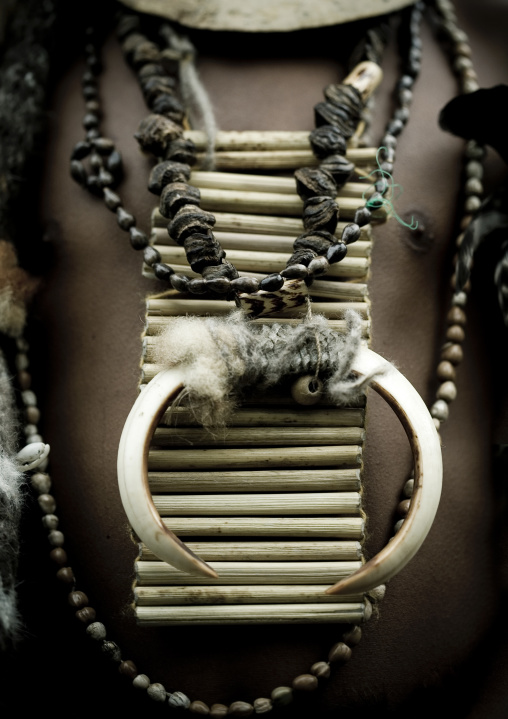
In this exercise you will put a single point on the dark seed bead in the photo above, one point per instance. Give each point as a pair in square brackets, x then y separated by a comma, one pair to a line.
[111, 199]
[104, 145]
[156, 85]
[166, 172]
[112, 650]
[219, 285]
[93, 185]
[125, 219]
[319, 266]
[94, 64]
[180, 283]
[305, 683]
[350, 233]
[114, 164]
[336, 253]
[353, 636]
[190, 220]
[86, 615]
[375, 201]
[93, 106]
[320, 213]
[327, 140]
[175, 196]
[90, 120]
[387, 166]
[271, 283]
[248, 285]
[65, 575]
[145, 52]
[198, 286]
[128, 669]
[139, 240]
[362, 216]
[78, 172]
[155, 132]
[95, 161]
[224, 269]
[302, 256]
[381, 185]
[58, 555]
[127, 25]
[131, 42]
[182, 150]
[78, 599]
[339, 168]
[402, 114]
[240, 709]
[311, 182]
[295, 272]
[162, 271]
[340, 652]
[105, 178]
[87, 78]
[395, 127]
[151, 69]
[93, 133]
[328, 113]
[319, 241]
[169, 106]
[90, 92]
[81, 150]
[151, 255]
[406, 82]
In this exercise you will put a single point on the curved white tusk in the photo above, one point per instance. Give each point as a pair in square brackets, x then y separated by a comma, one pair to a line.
[424, 439]
[132, 468]
[391, 384]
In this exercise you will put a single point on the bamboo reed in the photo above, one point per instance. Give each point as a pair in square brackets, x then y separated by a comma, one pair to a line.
[269, 551]
[319, 527]
[243, 182]
[257, 437]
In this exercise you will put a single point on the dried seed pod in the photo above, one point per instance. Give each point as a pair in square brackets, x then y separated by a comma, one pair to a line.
[130, 44]
[190, 220]
[145, 52]
[350, 233]
[295, 272]
[327, 140]
[339, 168]
[180, 283]
[362, 216]
[155, 132]
[151, 69]
[126, 25]
[342, 109]
[202, 250]
[320, 213]
[170, 106]
[223, 270]
[272, 283]
[318, 241]
[311, 182]
[162, 271]
[139, 240]
[302, 256]
[336, 252]
[166, 172]
[156, 85]
[182, 150]
[176, 195]
[81, 150]
[103, 145]
[151, 256]
[319, 266]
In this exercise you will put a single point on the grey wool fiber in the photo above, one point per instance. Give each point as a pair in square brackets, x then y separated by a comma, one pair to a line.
[224, 357]
[10, 508]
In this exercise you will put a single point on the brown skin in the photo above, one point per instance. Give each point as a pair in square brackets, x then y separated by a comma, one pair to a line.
[443, 604]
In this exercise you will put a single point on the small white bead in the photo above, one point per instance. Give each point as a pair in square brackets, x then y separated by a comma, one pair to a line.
[50, 521]
[179, 700]
[41, 482]
[472, 204]
[21, 362]
[459, 299]
[447, 391]
[141, 681]
[29, 429]
[56, 538]
[96, 630]
[408, 488]
[440, 410]
[307, 390]
[29, 398]
[474, 186]
[470, 85]
[462, 63]
[378, 593]
[474, 169]
[157, 692]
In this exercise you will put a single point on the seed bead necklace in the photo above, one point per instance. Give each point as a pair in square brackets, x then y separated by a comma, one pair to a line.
[451, 355]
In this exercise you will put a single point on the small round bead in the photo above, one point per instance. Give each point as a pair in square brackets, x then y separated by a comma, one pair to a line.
[353, 636]
[96, 631]
[362, 216]
[218, 710]
[157, 692]
[319, 266]
[455, 334]
[47, 503]
[128, 669]
[151, 255]
[32, 415]
[350, 233]
[474, 169]
[307, 390]
[240, 709]
[440, 410]
[219, 285]
[409, 488]
[271, 283]
[21, 361]
[111, 199]
[56, 538]
[378, 594]
[403, 507]
[77, 599]
[25, 380]
[459, 299]
[139, 240]
[445, 371]
[305, 683]
[179, 700]
[112, 650]
[66, 575]
[58, 556]
[472, 203]
[397, 526]
[447, 391]
[34, 438]
[452, 353]
[456, 316]
[281, 696]
[321, 670]
[179, 283]
[200, 708]
[262, 705]
[336, 252]
[295, 272]
[124, 219]
[474, 186]
[162, 271]
[41, 482]
[29, 398]
[141, 681]
[340, 652]
[249, 285]
[86, 615]
[198, 286]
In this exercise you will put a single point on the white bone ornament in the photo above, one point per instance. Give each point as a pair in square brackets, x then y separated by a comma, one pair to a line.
[390, 384]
